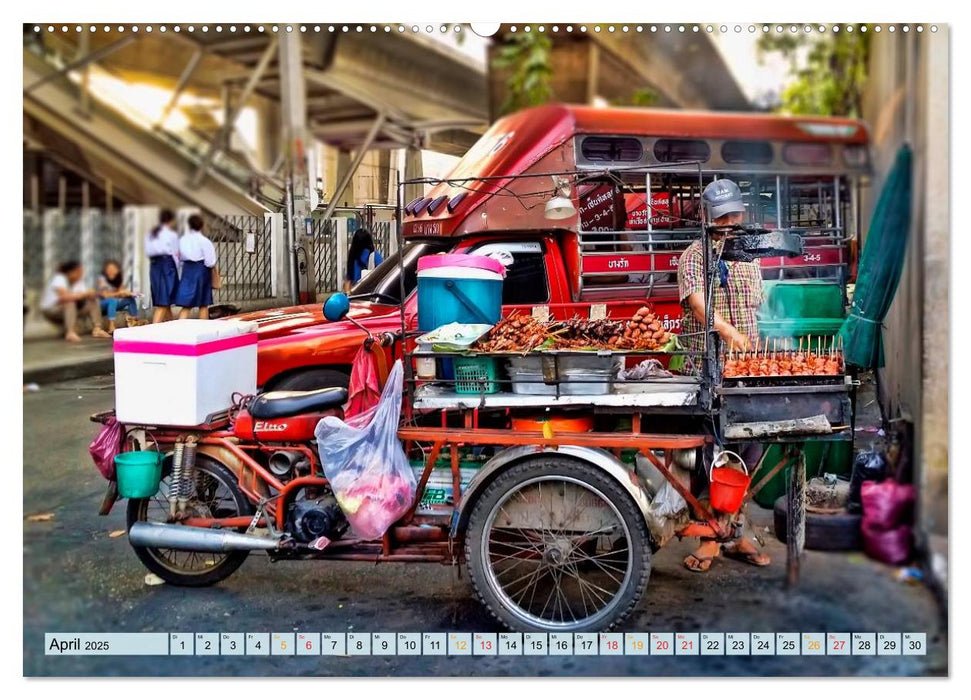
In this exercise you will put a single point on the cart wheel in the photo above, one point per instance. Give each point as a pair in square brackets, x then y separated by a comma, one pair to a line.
[217, 495]
[557, 545]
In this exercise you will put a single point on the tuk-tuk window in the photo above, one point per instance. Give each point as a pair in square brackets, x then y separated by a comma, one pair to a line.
[674, 150]
[807, 153]
[610, 149]
[757, 152]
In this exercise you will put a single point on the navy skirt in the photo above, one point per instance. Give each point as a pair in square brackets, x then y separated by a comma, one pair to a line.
[195, 287]
[164, 277]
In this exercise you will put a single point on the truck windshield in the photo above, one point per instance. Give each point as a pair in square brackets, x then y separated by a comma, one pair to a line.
[382, 283]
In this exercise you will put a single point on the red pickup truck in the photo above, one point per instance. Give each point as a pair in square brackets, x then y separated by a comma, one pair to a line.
[299, 349]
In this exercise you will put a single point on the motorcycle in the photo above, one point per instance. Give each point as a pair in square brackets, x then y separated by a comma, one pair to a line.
[554, 530]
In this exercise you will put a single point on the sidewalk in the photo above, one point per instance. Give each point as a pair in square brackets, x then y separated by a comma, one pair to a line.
[49, 360]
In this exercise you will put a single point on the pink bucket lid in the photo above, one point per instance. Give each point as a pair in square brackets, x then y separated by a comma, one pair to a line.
[480, 262]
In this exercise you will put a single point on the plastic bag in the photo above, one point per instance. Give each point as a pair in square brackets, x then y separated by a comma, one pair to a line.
[889, 546]
[366, 465]
[644, 370]
[868, 465]
[886, 504]
[668, 510]
[106, 446]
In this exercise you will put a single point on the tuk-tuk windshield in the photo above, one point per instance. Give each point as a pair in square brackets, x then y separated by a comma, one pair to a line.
[382, 284]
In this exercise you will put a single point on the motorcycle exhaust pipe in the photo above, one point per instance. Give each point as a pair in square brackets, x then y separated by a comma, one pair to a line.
[283, 462]
[195, 539]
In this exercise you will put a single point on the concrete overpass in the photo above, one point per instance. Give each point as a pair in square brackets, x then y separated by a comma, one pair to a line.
[359, 92]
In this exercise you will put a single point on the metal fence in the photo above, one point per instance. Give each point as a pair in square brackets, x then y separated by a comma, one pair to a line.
[243, 256]
[324, 243]
[54, 237]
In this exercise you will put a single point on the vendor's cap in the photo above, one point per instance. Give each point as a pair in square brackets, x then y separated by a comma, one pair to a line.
[722, 197]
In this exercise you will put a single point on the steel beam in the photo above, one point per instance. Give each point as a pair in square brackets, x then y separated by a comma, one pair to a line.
[355, 164]
[215, 144]
[187, 72]
[81, 62]
[293, 103]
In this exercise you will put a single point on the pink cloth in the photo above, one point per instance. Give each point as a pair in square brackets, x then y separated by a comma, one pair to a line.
[364, 390]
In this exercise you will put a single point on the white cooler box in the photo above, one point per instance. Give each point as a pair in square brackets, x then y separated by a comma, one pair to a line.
[183, 372]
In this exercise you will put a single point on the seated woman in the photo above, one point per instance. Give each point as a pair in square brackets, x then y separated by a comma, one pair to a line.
[114, 296]
[67, 298]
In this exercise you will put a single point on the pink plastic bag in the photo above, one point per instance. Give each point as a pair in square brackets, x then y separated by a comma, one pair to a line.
[889, 546]
[886, 504]
[106, 446]
[366, 465]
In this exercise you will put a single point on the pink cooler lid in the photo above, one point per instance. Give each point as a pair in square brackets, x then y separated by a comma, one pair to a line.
[480, 262]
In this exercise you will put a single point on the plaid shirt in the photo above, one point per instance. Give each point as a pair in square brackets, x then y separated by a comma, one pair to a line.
[738, 303]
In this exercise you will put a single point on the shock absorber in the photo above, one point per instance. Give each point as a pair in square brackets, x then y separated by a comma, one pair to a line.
[178, 453]
[187, 482]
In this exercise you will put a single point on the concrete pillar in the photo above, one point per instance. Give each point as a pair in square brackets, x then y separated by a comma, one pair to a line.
[384, 176]
[90, 219]
[293, 100]
[268, 134]
[136, 222]
[280, 259]
[344, 160]
[51, 223]
[413, 169]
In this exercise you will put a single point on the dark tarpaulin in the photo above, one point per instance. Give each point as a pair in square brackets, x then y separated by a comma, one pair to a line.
[881, 263]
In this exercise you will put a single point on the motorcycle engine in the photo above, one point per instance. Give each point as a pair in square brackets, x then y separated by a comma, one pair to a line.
[310, 519]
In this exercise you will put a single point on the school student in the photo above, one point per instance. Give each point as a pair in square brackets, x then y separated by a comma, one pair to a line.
[162, 249]
[198, 256]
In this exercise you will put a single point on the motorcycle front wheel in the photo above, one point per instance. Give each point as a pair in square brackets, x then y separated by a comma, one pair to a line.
[216, 495]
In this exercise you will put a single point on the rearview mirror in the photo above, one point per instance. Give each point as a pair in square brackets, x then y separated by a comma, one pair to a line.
[336, 306]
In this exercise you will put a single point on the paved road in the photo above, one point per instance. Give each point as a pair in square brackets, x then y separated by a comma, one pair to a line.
[78, 578]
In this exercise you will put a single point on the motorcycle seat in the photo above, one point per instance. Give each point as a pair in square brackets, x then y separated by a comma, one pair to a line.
[281, 404]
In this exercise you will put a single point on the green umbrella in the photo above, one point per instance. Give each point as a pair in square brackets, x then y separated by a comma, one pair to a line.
[881, 263]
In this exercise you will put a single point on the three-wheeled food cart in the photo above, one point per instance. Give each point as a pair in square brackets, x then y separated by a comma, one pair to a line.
[544, 481]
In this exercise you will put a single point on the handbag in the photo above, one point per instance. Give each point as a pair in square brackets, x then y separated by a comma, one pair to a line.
[217, 279]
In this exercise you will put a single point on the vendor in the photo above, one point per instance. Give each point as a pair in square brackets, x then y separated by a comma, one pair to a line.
[737, 298]
[739, 293]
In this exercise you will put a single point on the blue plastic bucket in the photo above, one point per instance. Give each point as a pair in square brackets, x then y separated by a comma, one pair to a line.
[458, 294]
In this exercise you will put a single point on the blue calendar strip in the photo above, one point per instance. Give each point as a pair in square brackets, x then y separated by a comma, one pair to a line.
[487, 644]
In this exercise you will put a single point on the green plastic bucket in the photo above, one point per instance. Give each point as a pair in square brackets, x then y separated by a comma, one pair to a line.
[138, 473]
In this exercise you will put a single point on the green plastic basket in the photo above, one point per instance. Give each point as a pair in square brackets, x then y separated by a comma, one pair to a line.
[138, 473]
[476, 375]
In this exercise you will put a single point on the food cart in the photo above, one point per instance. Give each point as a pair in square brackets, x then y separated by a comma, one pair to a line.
[552, 456]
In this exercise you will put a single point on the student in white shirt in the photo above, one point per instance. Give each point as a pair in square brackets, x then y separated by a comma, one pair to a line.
[198, 257]
[162, 249]
[67, 297]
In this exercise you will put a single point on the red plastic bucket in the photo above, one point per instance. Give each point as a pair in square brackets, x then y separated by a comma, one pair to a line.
[728, 486]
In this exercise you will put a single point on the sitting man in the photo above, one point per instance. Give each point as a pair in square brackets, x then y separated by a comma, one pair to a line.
[736, 298]
[67, 297]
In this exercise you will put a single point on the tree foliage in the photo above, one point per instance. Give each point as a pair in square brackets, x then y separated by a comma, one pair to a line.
[828, 70]
[527, 58]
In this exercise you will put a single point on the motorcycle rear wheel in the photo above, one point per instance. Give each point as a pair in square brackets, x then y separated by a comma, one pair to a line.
[223, 498]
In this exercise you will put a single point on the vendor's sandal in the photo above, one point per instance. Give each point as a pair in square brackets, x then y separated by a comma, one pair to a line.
[100, 333]
[753, 558]
[699, 566]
